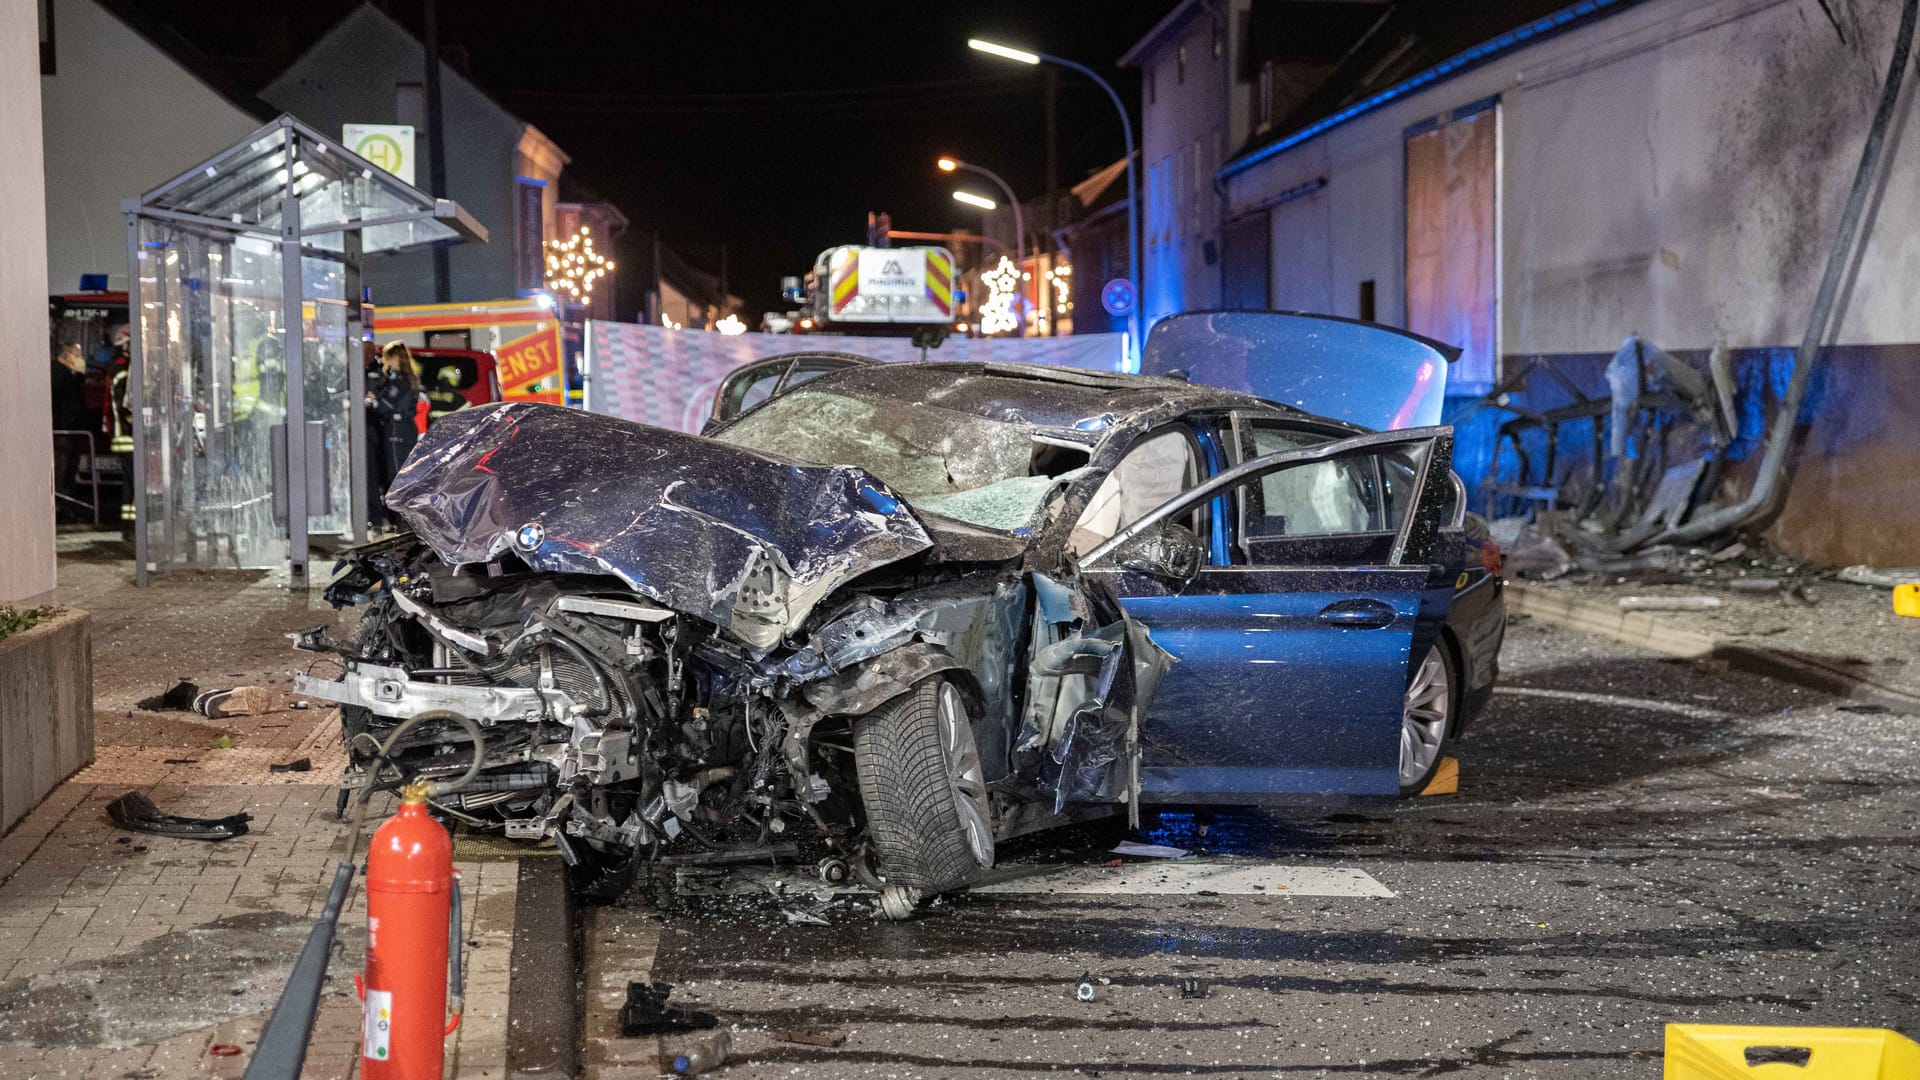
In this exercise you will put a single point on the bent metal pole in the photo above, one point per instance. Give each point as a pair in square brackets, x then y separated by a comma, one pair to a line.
[1769, 488]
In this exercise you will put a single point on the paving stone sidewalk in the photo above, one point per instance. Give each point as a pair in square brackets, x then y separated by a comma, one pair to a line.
[132, 957]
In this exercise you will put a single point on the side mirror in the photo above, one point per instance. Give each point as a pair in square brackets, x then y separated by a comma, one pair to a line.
[1170, 552]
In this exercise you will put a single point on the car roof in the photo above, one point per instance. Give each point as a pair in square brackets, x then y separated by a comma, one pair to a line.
[1068, 402]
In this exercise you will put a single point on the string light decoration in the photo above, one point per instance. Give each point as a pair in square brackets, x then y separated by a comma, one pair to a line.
[573, 266]
[1060, 283]
[996, 312]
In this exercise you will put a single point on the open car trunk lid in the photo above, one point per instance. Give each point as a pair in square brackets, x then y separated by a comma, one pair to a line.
[748, 541]
[1372, 376]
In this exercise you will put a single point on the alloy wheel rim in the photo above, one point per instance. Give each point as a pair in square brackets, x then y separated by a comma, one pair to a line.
[1423, 721]
[968, 778]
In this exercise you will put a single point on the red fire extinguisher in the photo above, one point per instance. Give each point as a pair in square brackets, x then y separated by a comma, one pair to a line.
[413, 953]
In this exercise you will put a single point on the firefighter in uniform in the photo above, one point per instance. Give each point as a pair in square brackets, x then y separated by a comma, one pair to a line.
[445, 396]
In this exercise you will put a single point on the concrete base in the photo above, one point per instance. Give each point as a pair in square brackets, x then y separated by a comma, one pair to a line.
[46, 710]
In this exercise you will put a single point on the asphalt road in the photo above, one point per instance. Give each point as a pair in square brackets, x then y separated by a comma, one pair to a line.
[1635, 842]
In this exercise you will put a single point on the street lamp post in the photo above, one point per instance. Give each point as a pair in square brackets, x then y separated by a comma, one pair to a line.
[1137, 318]
[953, 164]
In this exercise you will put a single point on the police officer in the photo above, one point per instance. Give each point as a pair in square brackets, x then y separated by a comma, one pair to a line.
[396, 407]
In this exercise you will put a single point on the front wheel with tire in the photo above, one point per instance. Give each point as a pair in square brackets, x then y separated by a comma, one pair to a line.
[925, 793]
[1426, 718]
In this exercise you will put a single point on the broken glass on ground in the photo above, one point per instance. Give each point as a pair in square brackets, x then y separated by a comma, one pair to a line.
[1149, 851]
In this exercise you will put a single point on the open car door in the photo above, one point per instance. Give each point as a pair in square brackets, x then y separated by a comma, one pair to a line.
[1292, 656]
[751, 384]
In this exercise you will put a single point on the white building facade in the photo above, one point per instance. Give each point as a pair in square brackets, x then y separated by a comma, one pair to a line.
[121, 117]
[1671, 168]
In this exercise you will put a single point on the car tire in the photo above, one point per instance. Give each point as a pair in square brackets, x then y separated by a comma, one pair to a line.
[921, 783]
[1427, 717]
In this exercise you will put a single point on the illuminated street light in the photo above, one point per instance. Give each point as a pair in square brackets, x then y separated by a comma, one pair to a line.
[1020, 56]
[971, 199]
[954, 164]
[1137, 319]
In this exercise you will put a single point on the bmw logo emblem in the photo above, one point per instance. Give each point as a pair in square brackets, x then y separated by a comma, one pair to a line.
[530, 536]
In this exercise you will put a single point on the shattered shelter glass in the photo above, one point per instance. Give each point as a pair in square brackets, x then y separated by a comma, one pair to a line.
[1373, 376]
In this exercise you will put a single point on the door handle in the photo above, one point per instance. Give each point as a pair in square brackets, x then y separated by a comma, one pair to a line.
[1359, 614]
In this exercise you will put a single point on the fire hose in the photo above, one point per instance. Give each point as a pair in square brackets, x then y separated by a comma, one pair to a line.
[282, 1049]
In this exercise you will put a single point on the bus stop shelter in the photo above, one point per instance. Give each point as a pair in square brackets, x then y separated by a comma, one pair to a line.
[247, 312]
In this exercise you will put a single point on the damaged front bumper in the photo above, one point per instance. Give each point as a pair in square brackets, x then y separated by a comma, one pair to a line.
[391, 692]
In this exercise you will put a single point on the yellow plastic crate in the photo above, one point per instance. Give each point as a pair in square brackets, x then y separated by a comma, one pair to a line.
[1906, 599]
[1735, 1052]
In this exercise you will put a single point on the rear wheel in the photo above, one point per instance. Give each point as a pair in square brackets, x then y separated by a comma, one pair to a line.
[1426, 720]
[924, 790]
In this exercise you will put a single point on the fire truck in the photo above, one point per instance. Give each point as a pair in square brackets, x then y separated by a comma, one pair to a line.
[888, 291]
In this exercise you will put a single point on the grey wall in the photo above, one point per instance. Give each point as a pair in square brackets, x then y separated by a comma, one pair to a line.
[350, 76]
[1676, 170]
[26, 451]
[1183, 140]
[46, 708]
[120, 118]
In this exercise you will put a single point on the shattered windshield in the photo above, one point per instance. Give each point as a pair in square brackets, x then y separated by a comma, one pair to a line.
[955, 464]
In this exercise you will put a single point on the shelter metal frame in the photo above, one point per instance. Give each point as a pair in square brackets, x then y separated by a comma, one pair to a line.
[279, 165]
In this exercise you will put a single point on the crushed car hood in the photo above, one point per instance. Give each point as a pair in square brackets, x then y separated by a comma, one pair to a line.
[745, 540]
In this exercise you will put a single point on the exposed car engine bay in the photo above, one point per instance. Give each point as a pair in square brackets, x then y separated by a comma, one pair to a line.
[612, 723]
[625, 732]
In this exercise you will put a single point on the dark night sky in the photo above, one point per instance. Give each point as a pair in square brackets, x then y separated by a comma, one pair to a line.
[771, 128]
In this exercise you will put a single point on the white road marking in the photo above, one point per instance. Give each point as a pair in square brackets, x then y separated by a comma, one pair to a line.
[1189, 877]
[1696, 712]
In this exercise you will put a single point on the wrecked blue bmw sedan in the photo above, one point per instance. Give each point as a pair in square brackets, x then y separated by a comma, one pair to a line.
[914, 609]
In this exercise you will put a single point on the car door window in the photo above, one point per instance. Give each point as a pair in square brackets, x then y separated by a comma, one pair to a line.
[1340, 511]
[806, 371]
[1331, 506]
[1155, 470]
[753, 383]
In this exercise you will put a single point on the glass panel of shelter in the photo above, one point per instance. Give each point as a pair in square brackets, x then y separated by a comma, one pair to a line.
[326, 352]
[214, 387]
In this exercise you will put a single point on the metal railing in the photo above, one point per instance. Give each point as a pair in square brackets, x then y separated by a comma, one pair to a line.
[93, 473]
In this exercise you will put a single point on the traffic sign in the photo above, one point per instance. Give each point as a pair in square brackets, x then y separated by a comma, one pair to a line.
[389, 146]
[1117, 297]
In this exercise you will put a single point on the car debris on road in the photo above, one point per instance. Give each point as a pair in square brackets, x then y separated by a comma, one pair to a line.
[135, 812]
[646, 1012]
